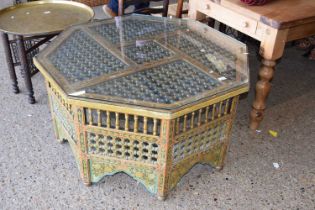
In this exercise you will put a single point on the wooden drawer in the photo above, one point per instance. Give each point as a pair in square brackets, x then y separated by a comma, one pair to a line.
[228, 17]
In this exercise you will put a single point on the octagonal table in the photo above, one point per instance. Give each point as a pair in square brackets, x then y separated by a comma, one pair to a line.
[144, 95]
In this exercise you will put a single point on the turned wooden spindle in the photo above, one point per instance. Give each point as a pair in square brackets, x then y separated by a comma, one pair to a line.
[107, 119]
[117, 121]
[90, 117]
[263, 87]
[145, 125]
[227, 102]
[206, 115]
[213, 111]
[220, 109]
[126, 122]
[25, 69]
[177, 126]
[192, 120]
[199, 117]
[99, 118]
[135, 126]
[9, 59]
[154, 127]
[185, 123]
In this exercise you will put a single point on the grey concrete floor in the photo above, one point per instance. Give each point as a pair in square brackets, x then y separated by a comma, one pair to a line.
[36, 172]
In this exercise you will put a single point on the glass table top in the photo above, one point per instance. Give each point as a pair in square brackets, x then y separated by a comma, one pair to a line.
[155, 62]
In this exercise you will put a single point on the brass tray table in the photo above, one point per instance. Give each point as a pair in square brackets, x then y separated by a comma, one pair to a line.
[32, 24]
[147, 96]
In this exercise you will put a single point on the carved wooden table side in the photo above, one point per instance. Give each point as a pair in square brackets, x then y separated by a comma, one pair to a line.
[273, 24]
[147, 96]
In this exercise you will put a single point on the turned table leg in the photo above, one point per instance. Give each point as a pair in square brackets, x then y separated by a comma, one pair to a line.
[25, 69]
[271, 49]
[179, 9]
[263, 87]
[8, 56]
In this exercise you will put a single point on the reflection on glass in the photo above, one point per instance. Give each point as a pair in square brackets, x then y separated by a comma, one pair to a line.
[147, 60]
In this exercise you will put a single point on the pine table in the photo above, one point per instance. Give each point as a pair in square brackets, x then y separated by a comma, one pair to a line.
[273, 24]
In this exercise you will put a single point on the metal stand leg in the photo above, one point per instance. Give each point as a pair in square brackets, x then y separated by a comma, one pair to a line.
[25, 69]
[8, 55]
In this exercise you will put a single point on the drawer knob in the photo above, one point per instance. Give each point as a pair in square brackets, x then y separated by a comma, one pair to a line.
[207, 6]
[244, 24]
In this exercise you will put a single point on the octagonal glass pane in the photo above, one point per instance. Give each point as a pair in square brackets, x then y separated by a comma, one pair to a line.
[155, 62]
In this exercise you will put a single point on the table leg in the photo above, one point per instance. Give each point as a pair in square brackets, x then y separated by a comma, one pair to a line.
[271, 49]
[193, 13]
[179, 9]
[25, 69]
[263, 87]
[165, 8]
[8, 56]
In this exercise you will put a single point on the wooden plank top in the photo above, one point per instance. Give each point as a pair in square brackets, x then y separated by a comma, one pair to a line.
[278, 14]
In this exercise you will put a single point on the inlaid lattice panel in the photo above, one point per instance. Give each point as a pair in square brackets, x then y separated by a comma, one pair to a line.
[124, 148]
[61, 100]
[146, 174]
[143, 51]
[79, 58]
[209, 54]
[129, 29]
[166, 83]
[62, 114]
[199, 141]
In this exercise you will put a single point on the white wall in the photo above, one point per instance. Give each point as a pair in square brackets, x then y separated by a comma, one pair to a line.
[6, 3]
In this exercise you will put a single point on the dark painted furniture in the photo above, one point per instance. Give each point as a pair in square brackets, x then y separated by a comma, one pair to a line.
[25, 27]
